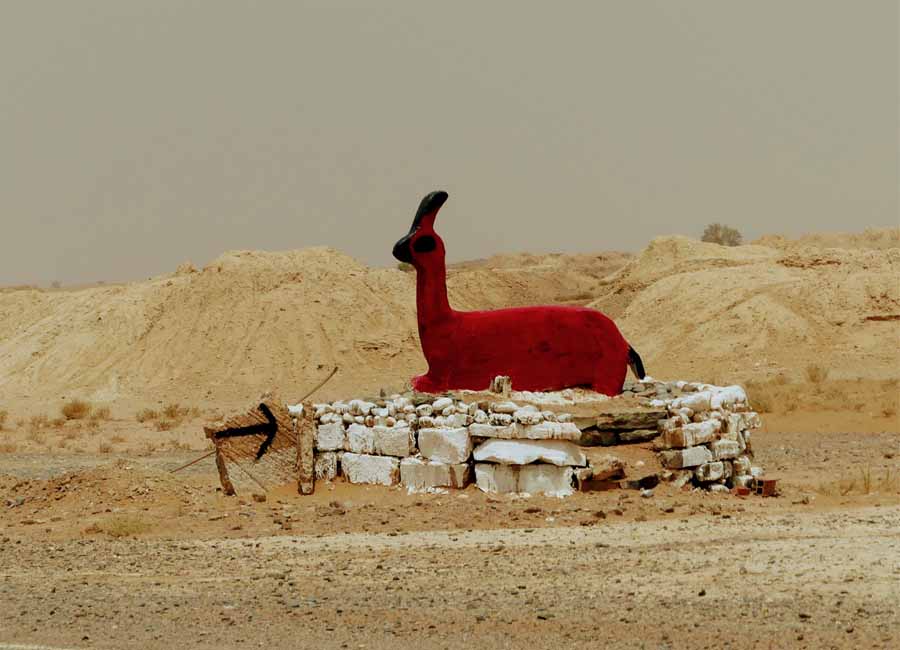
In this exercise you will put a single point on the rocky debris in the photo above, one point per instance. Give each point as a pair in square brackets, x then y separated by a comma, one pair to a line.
[326, 467]
[705, 439]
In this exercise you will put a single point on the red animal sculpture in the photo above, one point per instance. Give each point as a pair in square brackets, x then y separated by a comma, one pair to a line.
[539, 348]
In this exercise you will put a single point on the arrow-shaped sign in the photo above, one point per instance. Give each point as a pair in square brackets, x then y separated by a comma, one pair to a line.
[270, 428]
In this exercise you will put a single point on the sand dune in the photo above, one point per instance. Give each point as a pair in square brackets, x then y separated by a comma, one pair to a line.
[252, 320]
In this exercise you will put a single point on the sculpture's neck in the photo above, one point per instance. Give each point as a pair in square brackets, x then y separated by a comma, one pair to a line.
[431, 293]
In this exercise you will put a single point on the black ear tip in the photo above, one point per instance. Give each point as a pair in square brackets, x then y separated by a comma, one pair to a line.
[432, 202]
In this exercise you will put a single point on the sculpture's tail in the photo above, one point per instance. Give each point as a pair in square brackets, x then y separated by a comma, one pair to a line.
[635, 363]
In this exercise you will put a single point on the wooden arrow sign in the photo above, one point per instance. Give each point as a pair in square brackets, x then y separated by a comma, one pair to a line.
[266, 445]
[269, 428]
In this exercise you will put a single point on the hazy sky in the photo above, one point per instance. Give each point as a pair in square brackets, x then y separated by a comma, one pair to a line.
[137, 134]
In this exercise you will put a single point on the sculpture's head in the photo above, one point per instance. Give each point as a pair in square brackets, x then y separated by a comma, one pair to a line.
[422, 246]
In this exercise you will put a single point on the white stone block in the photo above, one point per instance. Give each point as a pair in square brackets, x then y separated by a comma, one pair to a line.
[507, 408]
[498, 479]
[376, 470]
[741, 466]
[360, 439]
[457, 420]
[326, 465]
[346, 418]
[715, 471]
[500, 419]
[549, 416]
[424, 410]
[523, 452]
[481, 417]
[421, 474]
[426, 421]
[360, 407]
[441, 403]
[490, 431]
[528, 415]
[548, 480]
[690, 457]
[394, 441]
[330, 437]
[693, 434]
[728, 397]
[722, 449]
[549, 431]
[445, 445]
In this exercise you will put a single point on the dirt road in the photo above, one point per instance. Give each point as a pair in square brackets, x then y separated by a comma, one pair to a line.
[811, 580]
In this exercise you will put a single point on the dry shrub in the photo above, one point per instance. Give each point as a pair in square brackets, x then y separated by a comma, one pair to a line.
[100, 413]
[889, 411]
[764, 396]
[148, 448]
[8, 448]
[146, 415]
[175, 411]
[117, 439]
[76, 409]
[119, 526]
[164, 425]
[177, 445]
[104, 448]
[71, 435]
[816, 373]
[3, 415]
[864, 482]
[58, 423]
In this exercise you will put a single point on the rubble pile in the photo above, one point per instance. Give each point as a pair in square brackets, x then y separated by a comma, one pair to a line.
[705, 441]
[525, 443]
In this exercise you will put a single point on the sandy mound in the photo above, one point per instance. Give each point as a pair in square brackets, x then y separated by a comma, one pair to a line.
[702, 310]
[247, 321]
[220, 335]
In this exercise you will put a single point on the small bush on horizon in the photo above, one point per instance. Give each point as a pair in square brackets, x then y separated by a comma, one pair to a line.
[717, 233]
[76, 409]
[3, 415]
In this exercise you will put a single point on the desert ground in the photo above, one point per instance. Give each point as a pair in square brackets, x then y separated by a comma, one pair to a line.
[105, 390]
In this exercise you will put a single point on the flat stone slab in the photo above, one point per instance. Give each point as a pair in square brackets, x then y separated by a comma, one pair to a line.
[360, 439]
[449, 446]
[523, 452]
[681, 458]
[391, 441]
[549, 480]
[421, 474]
[518, 431]
[330, 437]
[373, 470]
[497, 479]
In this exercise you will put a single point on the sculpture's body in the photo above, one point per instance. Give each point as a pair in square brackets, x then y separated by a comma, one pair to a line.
[539, 348]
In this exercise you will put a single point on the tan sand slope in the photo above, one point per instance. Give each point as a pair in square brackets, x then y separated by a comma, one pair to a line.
[694, 309]
[247, 321]
[251, 320]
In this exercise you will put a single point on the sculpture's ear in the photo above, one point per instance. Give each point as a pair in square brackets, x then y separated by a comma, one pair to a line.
[428, 210]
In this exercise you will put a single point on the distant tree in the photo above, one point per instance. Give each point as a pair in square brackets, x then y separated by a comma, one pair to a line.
[717, 233]
[55, 284]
